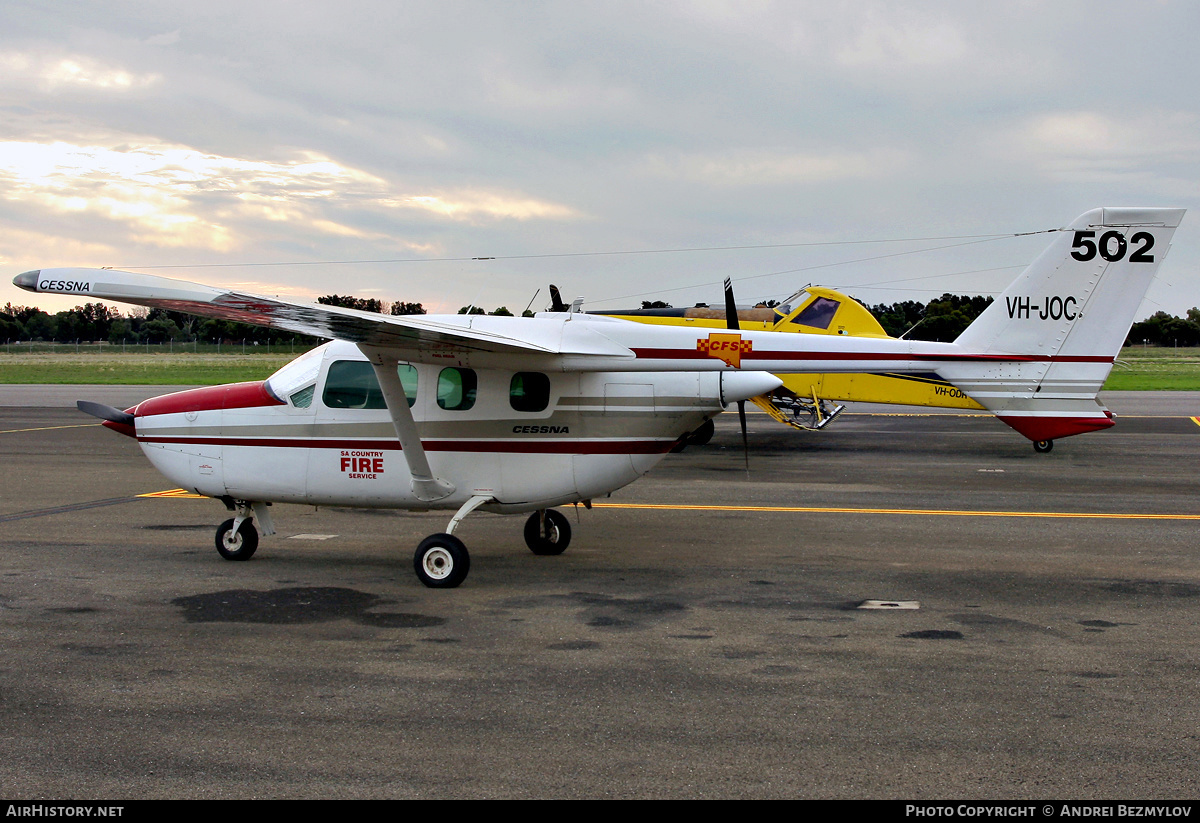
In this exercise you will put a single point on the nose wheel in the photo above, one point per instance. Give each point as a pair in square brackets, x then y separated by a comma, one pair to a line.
[237, 538]
[237, 543]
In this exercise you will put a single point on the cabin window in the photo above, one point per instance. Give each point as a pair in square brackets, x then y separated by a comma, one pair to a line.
[819, 314]
[303, 398]
[529, 391]
[456, 389]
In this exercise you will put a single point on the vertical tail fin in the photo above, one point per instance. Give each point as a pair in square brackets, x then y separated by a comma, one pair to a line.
[1040, 353]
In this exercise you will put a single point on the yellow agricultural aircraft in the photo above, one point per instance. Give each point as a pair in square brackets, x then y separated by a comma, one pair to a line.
[804, 399]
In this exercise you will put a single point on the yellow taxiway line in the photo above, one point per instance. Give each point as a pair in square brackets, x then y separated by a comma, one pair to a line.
[925, 512]
[182, 494]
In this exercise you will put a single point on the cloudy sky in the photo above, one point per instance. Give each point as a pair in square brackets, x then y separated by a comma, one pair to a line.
[624, 151]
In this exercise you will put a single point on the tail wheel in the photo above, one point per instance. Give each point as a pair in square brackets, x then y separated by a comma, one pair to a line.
[547, 532]
[442, 561]
[239, 545]
[1043, 446]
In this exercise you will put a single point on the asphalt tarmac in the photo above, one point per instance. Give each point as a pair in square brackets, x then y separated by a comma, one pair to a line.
[710, 645]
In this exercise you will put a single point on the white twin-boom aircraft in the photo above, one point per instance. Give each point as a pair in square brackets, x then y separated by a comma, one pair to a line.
[510, 414]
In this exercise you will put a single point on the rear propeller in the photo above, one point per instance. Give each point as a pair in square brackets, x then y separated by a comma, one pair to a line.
[732, 323]
[556, 301]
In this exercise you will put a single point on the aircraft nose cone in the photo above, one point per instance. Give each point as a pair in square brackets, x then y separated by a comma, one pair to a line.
[27, 280]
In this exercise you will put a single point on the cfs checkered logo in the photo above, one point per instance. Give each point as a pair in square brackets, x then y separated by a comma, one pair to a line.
[725, 347]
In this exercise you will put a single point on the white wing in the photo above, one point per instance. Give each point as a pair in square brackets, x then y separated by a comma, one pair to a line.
[409, 333]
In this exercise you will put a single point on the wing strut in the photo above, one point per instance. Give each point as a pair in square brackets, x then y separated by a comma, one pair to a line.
[425, 486]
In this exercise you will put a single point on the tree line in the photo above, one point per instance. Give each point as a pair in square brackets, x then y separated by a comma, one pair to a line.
[942, 318]
[945, 318]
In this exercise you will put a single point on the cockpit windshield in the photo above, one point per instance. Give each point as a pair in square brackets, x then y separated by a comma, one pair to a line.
[298, 374]
[818, 314]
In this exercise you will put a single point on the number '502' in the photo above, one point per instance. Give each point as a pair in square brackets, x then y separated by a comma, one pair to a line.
[1112, 246]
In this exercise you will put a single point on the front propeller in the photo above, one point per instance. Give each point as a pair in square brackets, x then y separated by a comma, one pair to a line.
[104, 412]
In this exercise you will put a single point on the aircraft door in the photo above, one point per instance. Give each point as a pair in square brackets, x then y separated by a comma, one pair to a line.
[628, 400]
[629, 408]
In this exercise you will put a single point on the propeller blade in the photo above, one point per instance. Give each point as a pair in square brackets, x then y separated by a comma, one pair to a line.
[731, 317]
[745, 438]
[556, 301]
[732, 322]
[104, 412]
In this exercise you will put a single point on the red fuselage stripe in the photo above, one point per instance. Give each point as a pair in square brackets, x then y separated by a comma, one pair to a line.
[695, 354]
[530, 447]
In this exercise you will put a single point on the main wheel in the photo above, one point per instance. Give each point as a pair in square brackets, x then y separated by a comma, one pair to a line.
[702, 435]
[1043, 446]
[441, 561]
[549, 536]
[239, 545]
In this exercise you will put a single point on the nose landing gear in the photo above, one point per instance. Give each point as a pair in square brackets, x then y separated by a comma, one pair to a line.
[237, 538]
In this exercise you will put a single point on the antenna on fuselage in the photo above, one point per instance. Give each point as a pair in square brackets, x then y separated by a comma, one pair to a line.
[530, 304]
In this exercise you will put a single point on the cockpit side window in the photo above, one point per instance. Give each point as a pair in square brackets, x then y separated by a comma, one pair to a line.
[408, 379]
[351, 384]
[819, 314]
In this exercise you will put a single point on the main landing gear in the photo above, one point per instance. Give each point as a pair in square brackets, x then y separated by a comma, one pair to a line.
[1043, 446]
[442, 560]
[547, 532]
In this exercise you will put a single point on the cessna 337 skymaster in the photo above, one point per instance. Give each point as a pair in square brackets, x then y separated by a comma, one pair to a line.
[521, 414]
